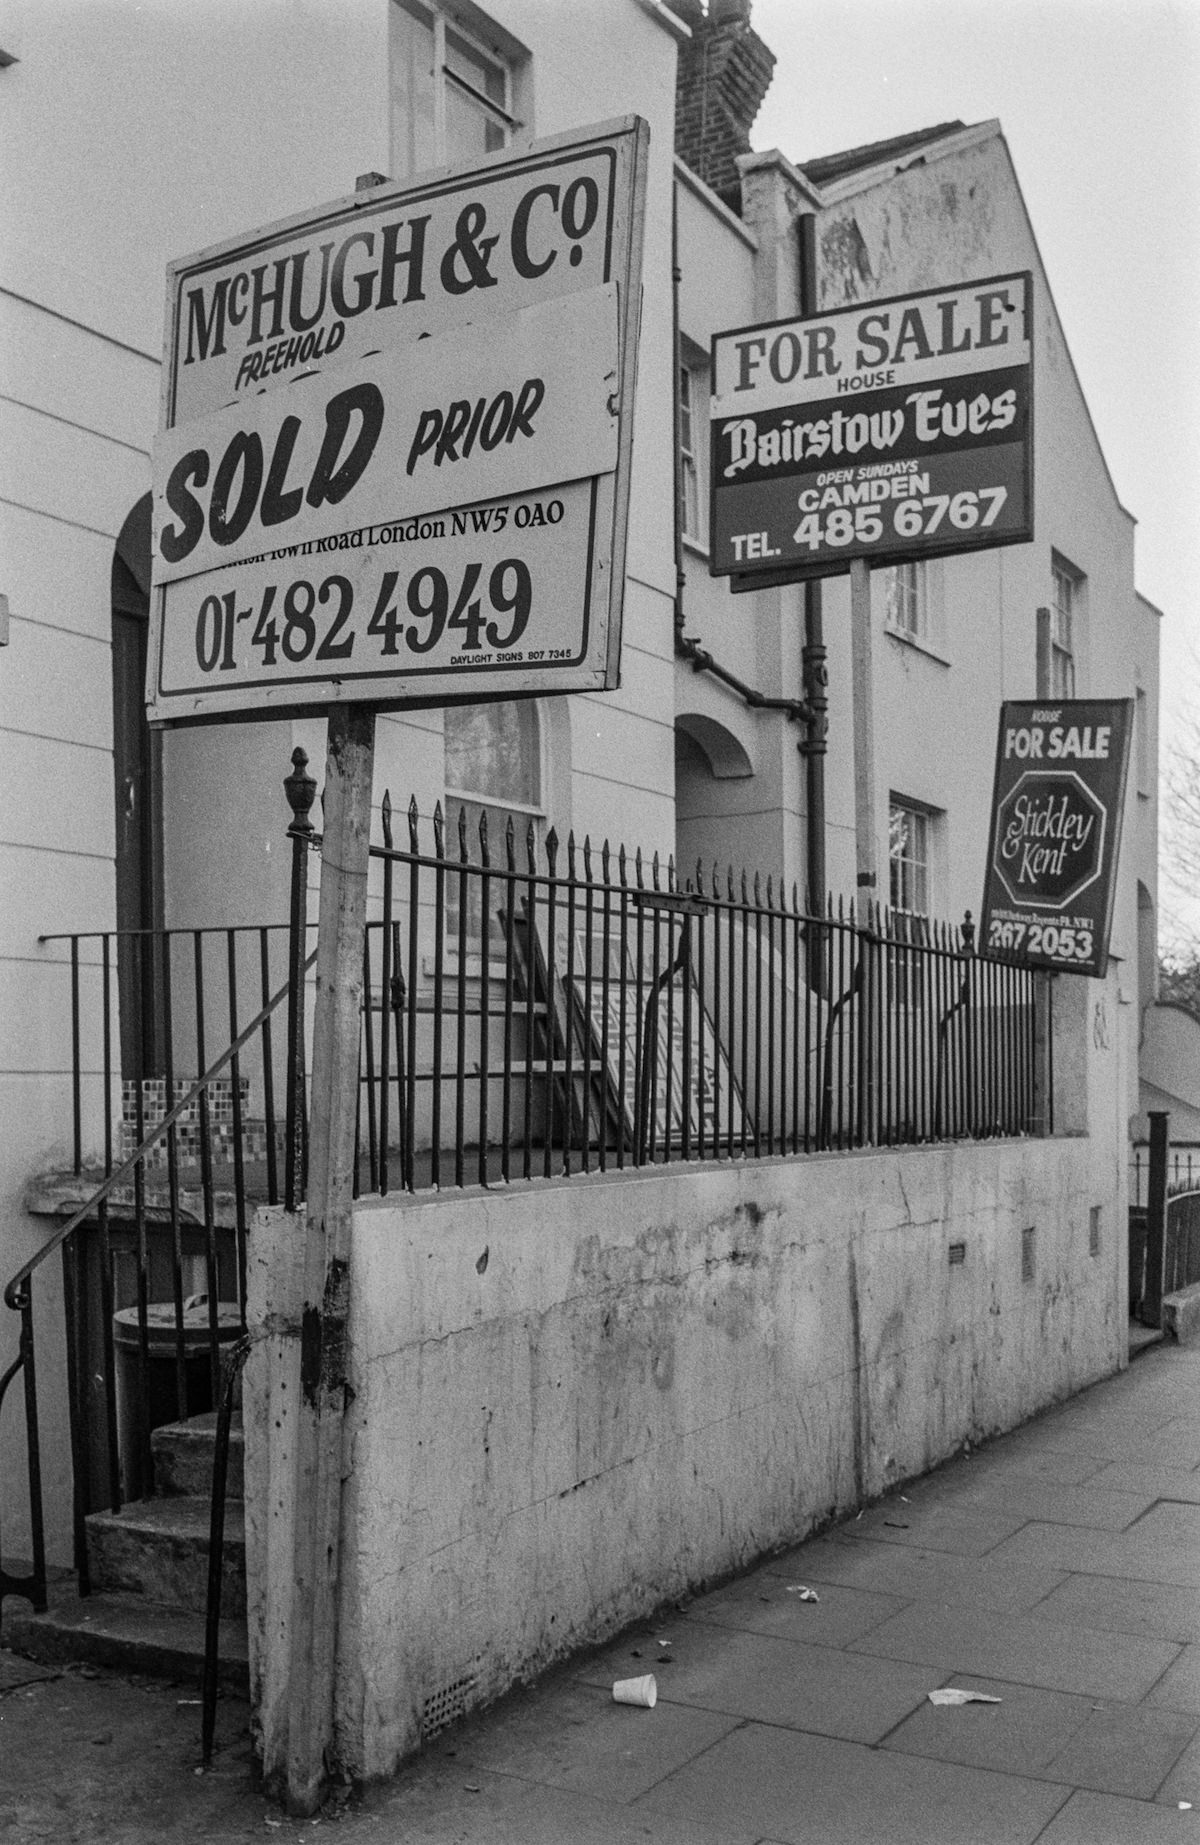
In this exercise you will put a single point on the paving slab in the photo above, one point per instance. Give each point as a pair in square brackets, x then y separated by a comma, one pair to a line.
[573, 1736]
[87, 1756]
[1016, 1459]
[913, 1574]
[1183, 1782]
[1179, 1686]
[1057, 1502]
[1023, 1649]
[776, 1681]
[770, 1603]
[479, 1808]
[1107, 1819]
[961, 1531]
[1020, 1735]
[1158, 1610]
[1135, 1554]
[1170, 1521]
[1164, 1482]
[1127, 1749]
[812, 1790]
[1174, 1443]
[15, 1672]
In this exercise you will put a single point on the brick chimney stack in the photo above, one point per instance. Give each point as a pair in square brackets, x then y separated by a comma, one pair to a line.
[724, 72]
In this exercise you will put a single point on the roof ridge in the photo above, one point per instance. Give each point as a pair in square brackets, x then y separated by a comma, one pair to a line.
[849, 160]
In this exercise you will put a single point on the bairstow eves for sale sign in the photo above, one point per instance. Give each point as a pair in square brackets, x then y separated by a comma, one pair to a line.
[393, 463]
[887, 431]
[1056, 831]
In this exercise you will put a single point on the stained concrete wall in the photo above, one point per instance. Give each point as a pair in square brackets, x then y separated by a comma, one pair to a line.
[575, 1400]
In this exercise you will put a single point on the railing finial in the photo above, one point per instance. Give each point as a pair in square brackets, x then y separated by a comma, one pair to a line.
[301, 791]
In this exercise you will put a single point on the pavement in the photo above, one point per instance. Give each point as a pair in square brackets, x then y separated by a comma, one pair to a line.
[1055, 1570]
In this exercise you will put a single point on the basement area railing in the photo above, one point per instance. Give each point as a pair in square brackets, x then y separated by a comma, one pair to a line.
[1182, 1169]
[534, 1011]
[138, 1353]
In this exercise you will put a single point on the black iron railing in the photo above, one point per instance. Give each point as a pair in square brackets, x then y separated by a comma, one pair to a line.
[1182, 1170]
[1181, 1244]
[139, 1350]
[1164, 1219]
[535, 1011]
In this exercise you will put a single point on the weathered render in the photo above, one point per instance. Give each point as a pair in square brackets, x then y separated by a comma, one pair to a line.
[574, 1401]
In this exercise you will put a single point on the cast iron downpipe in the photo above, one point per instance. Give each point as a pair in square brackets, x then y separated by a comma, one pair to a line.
[815, 673]
[797, 711]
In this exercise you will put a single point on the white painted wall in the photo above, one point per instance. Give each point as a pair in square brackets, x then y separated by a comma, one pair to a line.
[575, 1401]
[131, 135]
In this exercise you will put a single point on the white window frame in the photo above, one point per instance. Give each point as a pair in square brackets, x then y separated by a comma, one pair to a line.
[925, 820]
[498, 807]
[692, 437]
[906, 600]
[1065, 609]
[472, 27]
[910, 922]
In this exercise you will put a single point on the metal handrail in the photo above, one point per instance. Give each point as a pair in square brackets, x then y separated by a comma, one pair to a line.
[18, 1293]
[157, 1133]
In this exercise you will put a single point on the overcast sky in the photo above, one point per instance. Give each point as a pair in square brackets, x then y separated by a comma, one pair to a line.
[1100, 104]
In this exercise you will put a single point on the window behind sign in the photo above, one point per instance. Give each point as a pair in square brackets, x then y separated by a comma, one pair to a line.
[493, 768]
[454, 79]
[1064, 618]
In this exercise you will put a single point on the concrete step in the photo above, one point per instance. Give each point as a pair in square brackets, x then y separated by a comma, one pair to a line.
[128, 1633]
[159, 1548]
[183, 1457]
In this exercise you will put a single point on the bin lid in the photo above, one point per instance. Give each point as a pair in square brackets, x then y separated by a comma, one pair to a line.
[160, 1324]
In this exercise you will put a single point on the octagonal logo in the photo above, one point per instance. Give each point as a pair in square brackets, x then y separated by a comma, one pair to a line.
[1049, 838]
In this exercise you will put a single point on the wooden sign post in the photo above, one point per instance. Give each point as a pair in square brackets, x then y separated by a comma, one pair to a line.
[300, 1774]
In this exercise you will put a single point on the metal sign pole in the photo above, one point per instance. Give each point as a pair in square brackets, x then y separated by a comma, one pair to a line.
[1042, 999]
[862, 682]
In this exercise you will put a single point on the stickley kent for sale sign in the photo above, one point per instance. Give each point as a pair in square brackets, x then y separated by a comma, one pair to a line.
[888, 430]
[393, 462]
[1055, 833]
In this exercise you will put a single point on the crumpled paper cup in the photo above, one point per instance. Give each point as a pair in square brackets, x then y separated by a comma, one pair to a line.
[643, 1691]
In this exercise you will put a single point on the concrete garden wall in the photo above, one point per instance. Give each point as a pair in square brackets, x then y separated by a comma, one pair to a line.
[577, 1399]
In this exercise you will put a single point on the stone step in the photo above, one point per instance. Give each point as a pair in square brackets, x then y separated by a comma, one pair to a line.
[128, 1633]
[183, 1457]
[159, 1548]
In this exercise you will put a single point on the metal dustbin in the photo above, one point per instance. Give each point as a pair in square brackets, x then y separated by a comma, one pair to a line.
[162, 1403]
